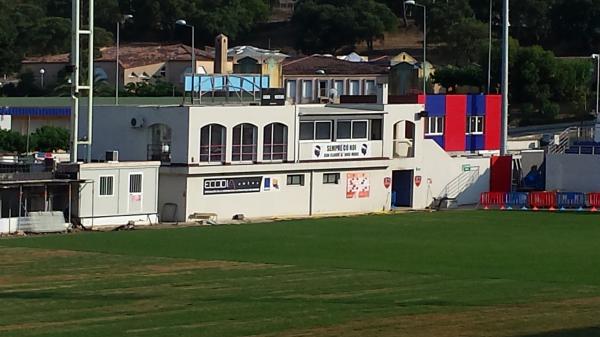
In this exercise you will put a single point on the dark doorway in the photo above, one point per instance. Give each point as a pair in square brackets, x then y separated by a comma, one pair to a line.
[402, 188]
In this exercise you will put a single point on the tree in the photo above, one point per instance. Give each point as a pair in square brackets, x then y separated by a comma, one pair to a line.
[464, 41]
[451, 77]
[50, 138]
[11, 141]
[576, 25]
[441, 16]
[328, 25]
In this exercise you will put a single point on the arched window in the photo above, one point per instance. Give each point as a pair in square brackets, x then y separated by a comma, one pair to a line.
[275, 142]
[244, 142]
[212, 143]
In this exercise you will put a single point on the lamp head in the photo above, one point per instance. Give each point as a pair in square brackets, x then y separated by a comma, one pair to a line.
[410, 2]
[181, 22]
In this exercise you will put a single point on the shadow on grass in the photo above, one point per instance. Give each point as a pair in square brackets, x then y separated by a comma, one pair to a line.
[581, 332]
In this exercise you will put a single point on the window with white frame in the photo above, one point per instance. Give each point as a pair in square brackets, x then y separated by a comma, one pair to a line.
[346, 130]
[106, 185]
[212, 143]
[244, 142]
[290, 86]
[370, 87]
[315, 130]
[475, 125]
[135, 183]
[275, 142]
[307, 89]
[339, 87]
[354, 87]
[434, 126]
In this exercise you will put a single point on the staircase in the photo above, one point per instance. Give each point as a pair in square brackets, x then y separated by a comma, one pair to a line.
[456, 186]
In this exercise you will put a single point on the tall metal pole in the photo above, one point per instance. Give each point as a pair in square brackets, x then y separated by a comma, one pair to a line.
[91, 71]
[424, 50]
[597, 56]
[75, 21]
[505, 36]
[117, 64]
[193, 55]
[489, 78]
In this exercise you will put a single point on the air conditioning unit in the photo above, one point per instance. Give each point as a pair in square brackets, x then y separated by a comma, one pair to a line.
[136, 122]
[112, 156]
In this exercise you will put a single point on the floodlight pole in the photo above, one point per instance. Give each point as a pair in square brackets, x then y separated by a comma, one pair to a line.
[76, 86]
[505, 49]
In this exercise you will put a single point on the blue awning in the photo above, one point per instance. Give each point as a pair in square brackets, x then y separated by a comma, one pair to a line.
[35, 111]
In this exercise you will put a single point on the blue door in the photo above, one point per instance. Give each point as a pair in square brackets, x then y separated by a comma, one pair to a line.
[402, 188]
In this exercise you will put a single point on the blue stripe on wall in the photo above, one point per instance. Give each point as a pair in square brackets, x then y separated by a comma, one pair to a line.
[476, 105]
[437, 139]
[475, 143]
[436, 105]
[35, 112]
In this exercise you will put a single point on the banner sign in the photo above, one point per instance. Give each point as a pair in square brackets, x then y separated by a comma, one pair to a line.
[357, 185]
[232, 185]
[341, 150]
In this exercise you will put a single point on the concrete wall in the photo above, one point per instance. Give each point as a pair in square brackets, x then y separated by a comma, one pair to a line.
[132, 143]
[112, 210]
[572, 172]
[313, 198]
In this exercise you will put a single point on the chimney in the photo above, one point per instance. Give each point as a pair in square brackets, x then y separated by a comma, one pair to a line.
[221, 47]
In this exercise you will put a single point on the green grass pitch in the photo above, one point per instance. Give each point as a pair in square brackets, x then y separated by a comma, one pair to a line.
[470, 273]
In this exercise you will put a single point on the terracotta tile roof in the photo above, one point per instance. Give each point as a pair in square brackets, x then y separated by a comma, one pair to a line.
[310, 65]
[135, 55]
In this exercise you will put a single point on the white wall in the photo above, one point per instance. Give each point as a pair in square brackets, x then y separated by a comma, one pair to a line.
[572, 172]
[121, 203]
[437, 166]
[8, 225]
[231, 116]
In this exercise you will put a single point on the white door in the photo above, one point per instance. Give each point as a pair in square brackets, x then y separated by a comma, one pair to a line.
[135, 195]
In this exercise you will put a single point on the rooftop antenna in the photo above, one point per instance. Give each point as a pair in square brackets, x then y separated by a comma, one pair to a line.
[77, 85]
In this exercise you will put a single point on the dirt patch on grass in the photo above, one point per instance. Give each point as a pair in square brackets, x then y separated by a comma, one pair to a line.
[499, 321]
[180, 266]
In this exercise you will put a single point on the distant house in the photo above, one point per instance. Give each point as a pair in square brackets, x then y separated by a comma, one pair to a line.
[138, 62]
[406, 73]
[315, 78]
[253, 60]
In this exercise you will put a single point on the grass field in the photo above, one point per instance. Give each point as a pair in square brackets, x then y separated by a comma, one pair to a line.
[435, 274]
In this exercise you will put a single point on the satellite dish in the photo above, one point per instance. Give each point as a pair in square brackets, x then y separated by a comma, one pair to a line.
[320, 72]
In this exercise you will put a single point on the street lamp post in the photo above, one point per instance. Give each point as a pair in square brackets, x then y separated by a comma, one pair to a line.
[184, 23]
[123, 19]
[424, 67]
[597, 58]
[42, 72]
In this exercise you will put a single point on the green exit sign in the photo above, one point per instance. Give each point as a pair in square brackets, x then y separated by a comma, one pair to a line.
[466, 168]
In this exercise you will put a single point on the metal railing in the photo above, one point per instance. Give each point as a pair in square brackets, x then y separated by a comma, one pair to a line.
[159, 152]
[460, 184]
[563, 141]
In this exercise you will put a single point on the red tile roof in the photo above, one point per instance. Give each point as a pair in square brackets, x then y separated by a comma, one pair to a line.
[135, 55]
[310, 65]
